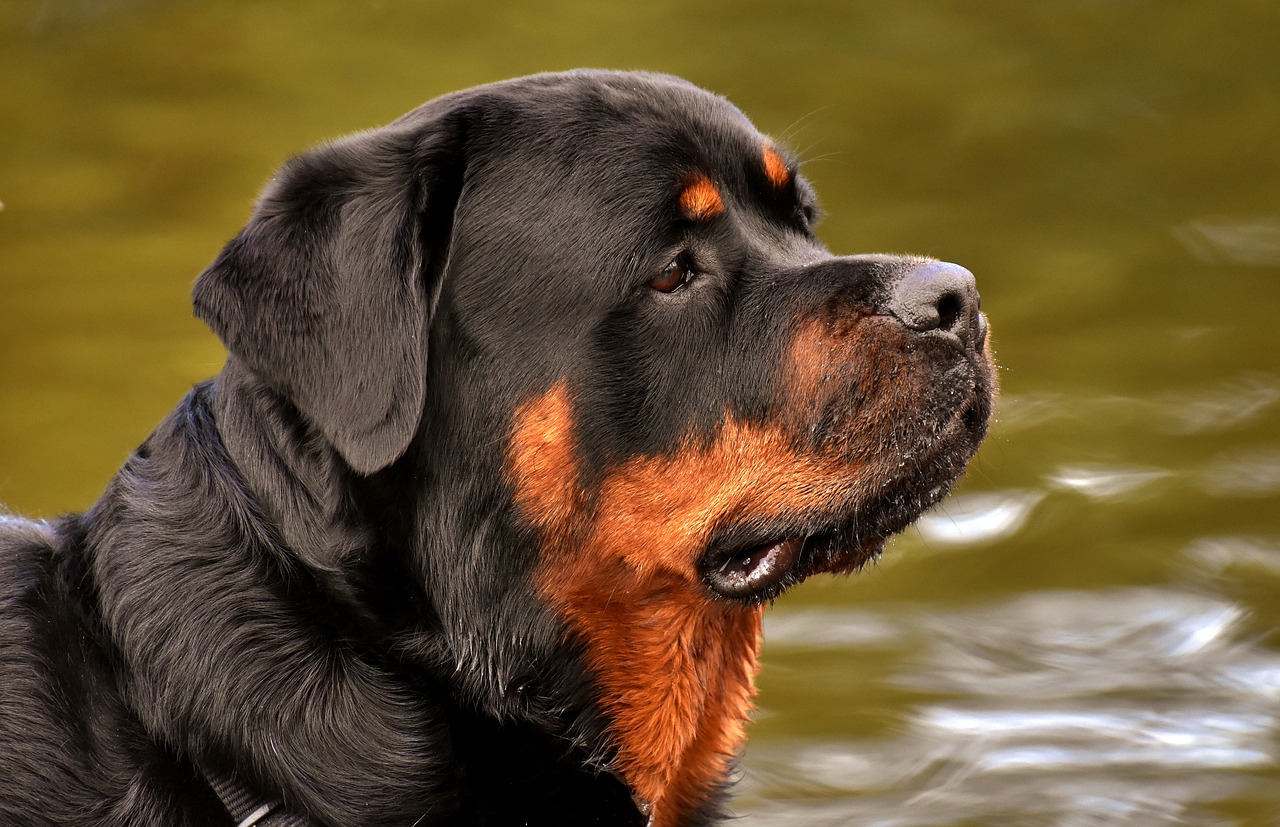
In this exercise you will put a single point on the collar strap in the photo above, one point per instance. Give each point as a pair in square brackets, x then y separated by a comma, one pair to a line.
[247, 808]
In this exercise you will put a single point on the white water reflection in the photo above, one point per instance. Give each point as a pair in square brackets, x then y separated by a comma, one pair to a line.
[1223, 405]
[1218, 408]
[1217, 555]
[1105, 482]
[1065, 644]
[1135, 706]
[1252, 473]
[832, 629]
[1022, 740]
[1249, 240]
[978, 518]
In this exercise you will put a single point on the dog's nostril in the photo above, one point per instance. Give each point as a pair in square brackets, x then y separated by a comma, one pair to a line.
[936, 295]
[950, 310]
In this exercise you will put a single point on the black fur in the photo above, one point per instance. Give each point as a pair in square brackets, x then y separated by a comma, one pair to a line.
[311, 577]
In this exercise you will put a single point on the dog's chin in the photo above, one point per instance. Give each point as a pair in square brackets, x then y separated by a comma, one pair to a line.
[755, 562]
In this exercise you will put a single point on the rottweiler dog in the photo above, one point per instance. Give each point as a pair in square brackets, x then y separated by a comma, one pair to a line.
[534, 399]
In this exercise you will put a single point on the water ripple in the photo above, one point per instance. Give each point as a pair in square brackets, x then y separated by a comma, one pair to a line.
[1137, 706]
[1217, 555]
[1105, 481]
[966, 519]
[1064, 644]
[1250, 240]
[1223, 406]
[1020, 740]
[1244, 474]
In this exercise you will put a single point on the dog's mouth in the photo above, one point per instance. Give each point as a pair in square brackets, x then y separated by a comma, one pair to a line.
[756, 570]
[759, 572]
[755, 560]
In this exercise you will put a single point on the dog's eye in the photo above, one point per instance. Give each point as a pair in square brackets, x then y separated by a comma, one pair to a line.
[808, 216]
[676, 275]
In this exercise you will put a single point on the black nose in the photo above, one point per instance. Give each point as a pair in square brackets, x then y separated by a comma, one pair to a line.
[938, 295]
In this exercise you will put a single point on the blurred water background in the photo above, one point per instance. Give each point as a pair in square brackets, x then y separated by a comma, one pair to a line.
[1087, 633]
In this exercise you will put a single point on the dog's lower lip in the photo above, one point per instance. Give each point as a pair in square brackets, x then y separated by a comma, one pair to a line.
[757, 569]
[851, 559]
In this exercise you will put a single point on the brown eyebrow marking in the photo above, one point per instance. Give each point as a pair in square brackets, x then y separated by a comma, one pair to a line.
[775, 169]
[700, 199]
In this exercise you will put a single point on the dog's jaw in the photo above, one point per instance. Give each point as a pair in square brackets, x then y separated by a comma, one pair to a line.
[624, 565]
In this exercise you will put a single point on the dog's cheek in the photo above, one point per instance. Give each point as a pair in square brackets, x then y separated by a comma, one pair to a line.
[542, 465]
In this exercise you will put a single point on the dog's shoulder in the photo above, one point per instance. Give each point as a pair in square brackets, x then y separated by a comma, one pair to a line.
[37, 686]
[27, 552]
[65, 731]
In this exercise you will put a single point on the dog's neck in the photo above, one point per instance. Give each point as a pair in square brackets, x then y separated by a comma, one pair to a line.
[314, 712]
[297, 476]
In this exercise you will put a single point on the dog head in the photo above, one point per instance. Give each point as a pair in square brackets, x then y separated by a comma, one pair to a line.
[629, 397]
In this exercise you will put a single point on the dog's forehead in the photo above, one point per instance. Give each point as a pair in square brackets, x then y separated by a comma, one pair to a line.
[597, 129]
[630, 99]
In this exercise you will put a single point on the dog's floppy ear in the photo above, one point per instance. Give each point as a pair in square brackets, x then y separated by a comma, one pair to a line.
[327, 292]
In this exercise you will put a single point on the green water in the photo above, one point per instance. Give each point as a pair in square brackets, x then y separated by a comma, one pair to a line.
[1086, 635]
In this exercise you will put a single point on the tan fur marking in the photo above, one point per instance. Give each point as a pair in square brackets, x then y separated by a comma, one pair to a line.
[775, 169]
[542, 450]
[700, 199]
